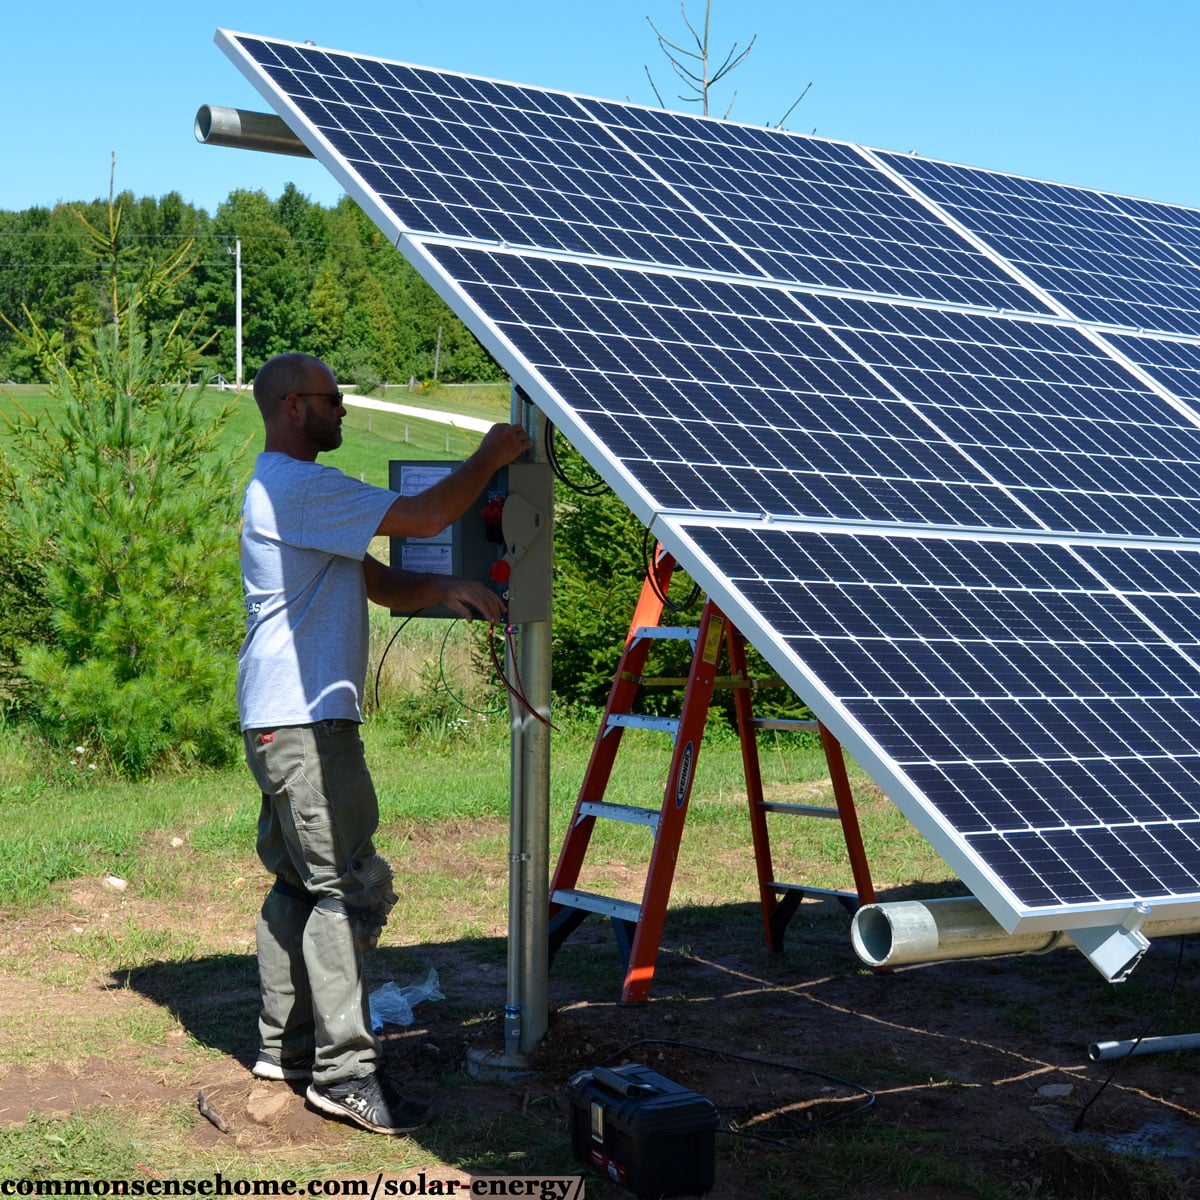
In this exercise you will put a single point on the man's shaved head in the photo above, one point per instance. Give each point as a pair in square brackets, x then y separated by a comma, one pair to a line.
[280, 376]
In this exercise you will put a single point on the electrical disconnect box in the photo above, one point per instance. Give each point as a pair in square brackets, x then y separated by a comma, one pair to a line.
[503, 540]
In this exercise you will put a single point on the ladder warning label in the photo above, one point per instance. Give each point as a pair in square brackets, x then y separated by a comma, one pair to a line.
[712, 640]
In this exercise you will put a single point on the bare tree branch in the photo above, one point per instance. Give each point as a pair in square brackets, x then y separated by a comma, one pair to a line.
[794, 103]
[697, 79]
[693, 67]
[654, 88]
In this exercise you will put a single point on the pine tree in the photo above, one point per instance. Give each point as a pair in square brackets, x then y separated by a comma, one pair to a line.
[120, 491]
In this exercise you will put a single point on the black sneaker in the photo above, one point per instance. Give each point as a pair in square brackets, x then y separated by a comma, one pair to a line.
[271, 1066]
[371, 1102]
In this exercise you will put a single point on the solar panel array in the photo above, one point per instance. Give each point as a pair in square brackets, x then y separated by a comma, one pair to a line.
[927, 433]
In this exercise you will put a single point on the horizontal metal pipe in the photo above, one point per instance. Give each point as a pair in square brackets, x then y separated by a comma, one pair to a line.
[912, 931]
[1102, 1051]
[909, 931]
[247, 131]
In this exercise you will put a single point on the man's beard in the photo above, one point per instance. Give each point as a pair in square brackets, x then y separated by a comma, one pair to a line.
[324, 435]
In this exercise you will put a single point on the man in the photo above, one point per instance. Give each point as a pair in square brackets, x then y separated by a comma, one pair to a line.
[307, 578]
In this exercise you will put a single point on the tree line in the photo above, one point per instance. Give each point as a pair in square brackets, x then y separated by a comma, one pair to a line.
[322, 280]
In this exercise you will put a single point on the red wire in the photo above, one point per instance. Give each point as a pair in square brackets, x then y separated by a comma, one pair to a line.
[518, 692]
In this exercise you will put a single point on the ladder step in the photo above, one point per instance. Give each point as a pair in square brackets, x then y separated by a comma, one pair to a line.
[621, 812]
[834, 893]
[641, 721]
[666, 633]
[606, 906]
[781, 723]
[798, 810]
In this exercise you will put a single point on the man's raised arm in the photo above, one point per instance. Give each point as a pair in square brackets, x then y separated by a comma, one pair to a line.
[429, 512]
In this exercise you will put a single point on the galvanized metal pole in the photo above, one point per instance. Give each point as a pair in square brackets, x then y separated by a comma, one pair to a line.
[514, 999]
[527, 1011]
[216, 126]
[534, 648]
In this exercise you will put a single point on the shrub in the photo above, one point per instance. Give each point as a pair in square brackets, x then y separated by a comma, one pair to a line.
[25, 620]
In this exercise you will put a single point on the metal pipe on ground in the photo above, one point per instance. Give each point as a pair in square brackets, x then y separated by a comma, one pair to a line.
[245, 130]
[915, 931]
[1103, 1051]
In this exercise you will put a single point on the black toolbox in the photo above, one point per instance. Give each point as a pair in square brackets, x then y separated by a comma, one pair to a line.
[643, 1130]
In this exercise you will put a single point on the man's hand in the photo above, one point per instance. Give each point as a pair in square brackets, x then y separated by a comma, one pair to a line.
[469, 598]
[411, 591]
[503, 444]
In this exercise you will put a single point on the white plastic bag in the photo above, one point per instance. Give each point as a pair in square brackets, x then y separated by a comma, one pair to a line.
[392, 1005]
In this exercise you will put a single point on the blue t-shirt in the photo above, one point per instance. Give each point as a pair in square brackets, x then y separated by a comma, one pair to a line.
[305, 531]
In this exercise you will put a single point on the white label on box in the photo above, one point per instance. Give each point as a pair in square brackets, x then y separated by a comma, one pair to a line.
[430, 559]
[414, 479]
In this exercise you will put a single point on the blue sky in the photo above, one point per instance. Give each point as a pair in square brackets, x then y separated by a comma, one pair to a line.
[1094, 92]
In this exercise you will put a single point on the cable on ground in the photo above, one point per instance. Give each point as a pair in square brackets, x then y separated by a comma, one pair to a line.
[867, 1097]
[1158, 1012]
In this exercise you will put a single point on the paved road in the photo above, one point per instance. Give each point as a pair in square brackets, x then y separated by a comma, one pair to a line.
[478, 424]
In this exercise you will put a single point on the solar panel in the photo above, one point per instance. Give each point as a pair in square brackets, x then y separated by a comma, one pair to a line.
[1104, 258]
[739, 398]
[1043, 705]
[475, 159]
[902, 420]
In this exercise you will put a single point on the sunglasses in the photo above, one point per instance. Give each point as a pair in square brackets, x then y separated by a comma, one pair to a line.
[335, 397]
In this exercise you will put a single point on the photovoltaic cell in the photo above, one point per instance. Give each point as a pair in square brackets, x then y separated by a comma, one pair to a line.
[900, 419]
[1173, 364]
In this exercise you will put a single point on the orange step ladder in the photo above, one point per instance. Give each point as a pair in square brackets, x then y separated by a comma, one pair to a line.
[638, 926]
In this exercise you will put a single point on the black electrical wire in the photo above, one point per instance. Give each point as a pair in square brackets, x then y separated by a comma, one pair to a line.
[596, 489]
[483, 712]
[868, 1096]
[652, 579]
[487, 712]
[1158, 1012]
[391, 642]
[593, 489]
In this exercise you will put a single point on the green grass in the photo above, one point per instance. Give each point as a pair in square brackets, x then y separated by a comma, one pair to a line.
[371, 439]
[487, 401]
[886, 1158]
[97, 1146]
[60, 821]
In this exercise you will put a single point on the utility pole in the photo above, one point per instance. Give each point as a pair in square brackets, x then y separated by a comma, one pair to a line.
[237, 270]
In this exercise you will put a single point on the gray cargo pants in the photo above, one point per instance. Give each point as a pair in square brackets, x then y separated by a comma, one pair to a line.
[331, 896]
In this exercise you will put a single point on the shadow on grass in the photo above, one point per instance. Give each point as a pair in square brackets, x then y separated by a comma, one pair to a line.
[215, 998]
[478, 1128]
